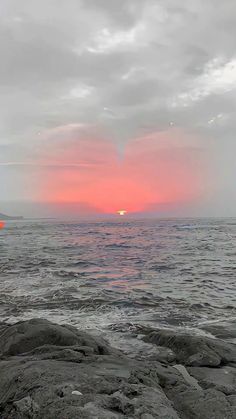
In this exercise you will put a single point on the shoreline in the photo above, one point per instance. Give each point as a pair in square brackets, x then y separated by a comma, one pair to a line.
[52, 371]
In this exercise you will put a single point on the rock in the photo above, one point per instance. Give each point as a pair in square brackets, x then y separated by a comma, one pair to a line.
[26, 407]
[222, 330]
[194, 350]
[149, 401]
[208, 404]
[164, 354]
[222, 379]
[192, 401]
[49, 371]
[3, 326]
[25, 336]
[53, 384]
[232, 400]
[187, 377]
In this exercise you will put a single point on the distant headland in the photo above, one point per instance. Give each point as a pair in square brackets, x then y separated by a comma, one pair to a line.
[9, 217]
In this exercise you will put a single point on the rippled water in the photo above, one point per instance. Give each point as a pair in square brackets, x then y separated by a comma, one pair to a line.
[110, 275]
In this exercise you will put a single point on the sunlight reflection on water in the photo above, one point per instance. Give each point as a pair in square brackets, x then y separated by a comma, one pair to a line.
[160, 272]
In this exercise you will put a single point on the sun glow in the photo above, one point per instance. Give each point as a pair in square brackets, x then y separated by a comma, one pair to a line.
[81, 173]
[122, 212]
[2, 224]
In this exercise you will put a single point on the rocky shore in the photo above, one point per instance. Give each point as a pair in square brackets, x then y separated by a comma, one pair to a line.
[50, 371]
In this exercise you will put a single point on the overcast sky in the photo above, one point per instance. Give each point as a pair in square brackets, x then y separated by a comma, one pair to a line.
[125, 68]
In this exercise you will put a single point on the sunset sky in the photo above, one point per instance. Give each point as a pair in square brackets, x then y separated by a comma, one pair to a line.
[113, 105]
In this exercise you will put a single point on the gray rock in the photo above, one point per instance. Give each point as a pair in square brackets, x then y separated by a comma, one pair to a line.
[49, 371]
[206, 404]
[164, 355]
[194, 350]
[192, 401]
[225, 330]
[3, 326]
[51, 383]
[232, 400]
[187, 377]
[24, 336]
[26, 407]
[222, 379]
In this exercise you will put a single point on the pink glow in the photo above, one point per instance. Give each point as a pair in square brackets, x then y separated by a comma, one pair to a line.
[156, 170]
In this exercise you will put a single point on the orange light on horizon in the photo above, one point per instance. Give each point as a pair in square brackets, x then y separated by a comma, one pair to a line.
[86, 174]
[122, 212]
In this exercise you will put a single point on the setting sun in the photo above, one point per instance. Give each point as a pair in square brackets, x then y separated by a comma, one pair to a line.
[121, 212]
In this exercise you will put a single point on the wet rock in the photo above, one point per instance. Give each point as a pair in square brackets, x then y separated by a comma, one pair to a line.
[164, 354]
[26, 407]
[54, 387]
[222, 379]
[208, 404]
[24, 336]
[49, 371]
[232, 400]
[209, 396]
[189, 379]
[222, 331]
[150, 401]
[191, 400]
[194, 350]
[3, 326]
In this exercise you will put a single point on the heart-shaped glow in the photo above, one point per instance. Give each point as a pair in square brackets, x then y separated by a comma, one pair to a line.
[81, 171]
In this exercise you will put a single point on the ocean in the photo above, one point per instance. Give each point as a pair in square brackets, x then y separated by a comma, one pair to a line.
[118, 276]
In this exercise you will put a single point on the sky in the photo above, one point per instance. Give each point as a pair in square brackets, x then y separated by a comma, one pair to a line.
[110, 105]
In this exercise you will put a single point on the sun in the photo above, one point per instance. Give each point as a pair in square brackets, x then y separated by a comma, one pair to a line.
[121, 212]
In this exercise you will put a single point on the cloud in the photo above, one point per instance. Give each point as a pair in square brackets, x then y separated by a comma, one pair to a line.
[218, 77]
[106, 41]
[64, 65]
[127, 68]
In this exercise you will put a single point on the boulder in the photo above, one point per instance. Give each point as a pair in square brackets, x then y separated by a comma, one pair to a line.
[205, 404]
[194, 350]
[26, 335]
[225, 330]
[222, 379]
